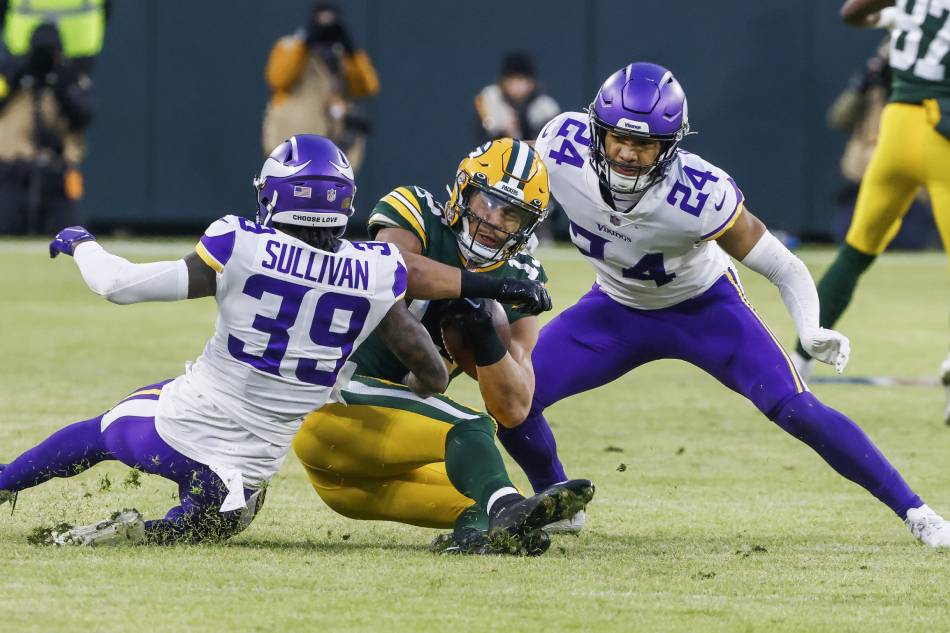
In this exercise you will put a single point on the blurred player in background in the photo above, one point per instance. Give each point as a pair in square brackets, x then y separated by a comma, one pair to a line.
[317, 76]
[913, 149]
[658, 224]
[294, 301]
[384, 455]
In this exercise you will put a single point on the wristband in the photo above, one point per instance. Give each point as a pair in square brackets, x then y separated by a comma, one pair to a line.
[474, 285]
[489, 350]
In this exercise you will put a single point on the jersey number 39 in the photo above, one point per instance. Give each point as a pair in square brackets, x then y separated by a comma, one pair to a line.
[278, 328]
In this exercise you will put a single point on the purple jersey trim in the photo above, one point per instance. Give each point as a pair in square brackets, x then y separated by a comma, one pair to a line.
[399, 283]
[739, 199]
[219, 246]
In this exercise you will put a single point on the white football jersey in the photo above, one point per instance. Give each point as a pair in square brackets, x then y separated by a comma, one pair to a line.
[289, 316]
[662, 251]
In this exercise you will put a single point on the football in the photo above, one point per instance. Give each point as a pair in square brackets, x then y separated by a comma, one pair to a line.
[461, 350]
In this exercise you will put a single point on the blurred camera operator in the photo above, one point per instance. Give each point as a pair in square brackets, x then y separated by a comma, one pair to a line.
[515, 105]
[316, 76]
[45, 105]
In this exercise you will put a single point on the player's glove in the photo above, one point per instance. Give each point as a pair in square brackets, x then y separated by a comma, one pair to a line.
[827, 346]
[528, 296]
[474, 318]
[68, 239]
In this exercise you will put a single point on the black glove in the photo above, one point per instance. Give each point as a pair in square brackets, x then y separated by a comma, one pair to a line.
[474, 318]
[530, 297]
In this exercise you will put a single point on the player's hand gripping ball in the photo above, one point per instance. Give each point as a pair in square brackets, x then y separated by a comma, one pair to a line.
[466, 323]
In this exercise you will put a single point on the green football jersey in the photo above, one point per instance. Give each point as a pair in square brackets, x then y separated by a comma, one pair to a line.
[413, 209]
[920, 51]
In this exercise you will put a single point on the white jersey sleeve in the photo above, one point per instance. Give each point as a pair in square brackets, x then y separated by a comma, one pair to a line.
[716, 197]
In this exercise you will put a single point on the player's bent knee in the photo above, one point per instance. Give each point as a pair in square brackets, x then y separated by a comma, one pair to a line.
[481, 424]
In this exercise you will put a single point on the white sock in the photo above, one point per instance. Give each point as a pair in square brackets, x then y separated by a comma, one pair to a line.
[498, 494]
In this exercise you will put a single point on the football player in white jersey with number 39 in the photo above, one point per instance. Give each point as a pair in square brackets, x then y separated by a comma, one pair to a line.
[659, 224]
[294, 301]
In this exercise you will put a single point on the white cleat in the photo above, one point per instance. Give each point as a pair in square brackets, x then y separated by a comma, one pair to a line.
[804, 366]
[124, 528]
[574, 525]
[928, 527]
[945, 379]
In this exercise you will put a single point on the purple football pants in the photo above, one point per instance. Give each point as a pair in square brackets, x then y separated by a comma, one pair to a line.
[598, 340]
[134, 441]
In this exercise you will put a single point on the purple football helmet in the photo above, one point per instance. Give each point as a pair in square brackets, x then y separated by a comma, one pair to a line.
[641, 100]
[306, 181]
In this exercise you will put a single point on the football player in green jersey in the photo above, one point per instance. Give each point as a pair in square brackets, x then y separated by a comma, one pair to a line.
[913, 148]
[384, 455]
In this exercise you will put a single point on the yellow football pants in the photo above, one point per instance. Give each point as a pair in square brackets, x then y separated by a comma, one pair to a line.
[382, 456]
[909, 154]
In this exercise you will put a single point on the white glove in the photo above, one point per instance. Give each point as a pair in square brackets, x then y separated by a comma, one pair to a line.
[827, 346]
[886, 19]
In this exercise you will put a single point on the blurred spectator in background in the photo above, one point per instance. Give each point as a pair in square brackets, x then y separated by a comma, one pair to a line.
[857, 111]
[316, 75]
[45, 106]
[81, 24]
[514, 105]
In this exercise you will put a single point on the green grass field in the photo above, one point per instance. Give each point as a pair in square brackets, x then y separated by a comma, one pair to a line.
[707, 516]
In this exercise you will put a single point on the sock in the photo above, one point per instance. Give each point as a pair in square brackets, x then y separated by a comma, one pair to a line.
[472, 518]
[532, 445]
[472, 461]
[837, 287]
[847, 449]
[66, 453]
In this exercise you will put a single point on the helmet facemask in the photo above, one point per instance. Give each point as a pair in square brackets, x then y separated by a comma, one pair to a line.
[492, 227]
[648, 175]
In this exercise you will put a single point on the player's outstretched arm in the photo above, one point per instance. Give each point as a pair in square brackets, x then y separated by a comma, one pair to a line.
[867, 13]
[750, 242]
[429, 279]
[412, 345]
[119, 280]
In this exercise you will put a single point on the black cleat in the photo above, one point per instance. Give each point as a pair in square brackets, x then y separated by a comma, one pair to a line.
[518, 526]
[476, 543]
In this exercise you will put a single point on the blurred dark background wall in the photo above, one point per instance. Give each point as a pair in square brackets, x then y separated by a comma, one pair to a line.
[181, 93]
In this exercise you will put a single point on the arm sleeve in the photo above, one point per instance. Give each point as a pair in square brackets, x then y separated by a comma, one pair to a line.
[772, 260]
[120, 281]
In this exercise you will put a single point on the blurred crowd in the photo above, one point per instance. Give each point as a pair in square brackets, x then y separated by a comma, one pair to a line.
[320, 82]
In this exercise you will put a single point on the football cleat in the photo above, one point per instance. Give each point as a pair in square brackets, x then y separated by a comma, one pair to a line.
[945, 379]
[476, 542]
[573, 525]
[804, 366]
[928, 527]
[123, 528]
[517, 525]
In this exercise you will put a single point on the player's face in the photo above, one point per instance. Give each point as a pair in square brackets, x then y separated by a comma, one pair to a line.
[499, 219]
[629, 155]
